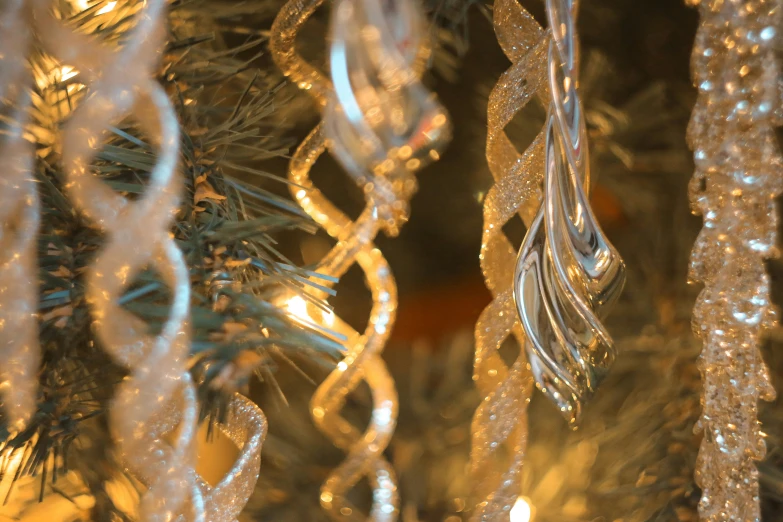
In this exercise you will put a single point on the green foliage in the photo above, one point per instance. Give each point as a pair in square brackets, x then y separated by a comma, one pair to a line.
[233, 117]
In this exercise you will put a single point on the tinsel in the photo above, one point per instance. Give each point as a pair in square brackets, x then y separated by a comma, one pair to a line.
[633, 457]
[500, 422]
[738, 176]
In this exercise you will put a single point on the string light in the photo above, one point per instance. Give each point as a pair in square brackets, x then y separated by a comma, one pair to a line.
[522, 511]
[14, 460]
[107, 8]
[82, 5]
[297, 307]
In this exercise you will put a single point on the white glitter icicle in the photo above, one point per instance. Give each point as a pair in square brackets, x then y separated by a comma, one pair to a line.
[121, 83]
[20, 216]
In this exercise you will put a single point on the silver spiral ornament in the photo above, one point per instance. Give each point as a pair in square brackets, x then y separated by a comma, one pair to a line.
[381, 125]
[381, 120]
[567, 274]
[20, 217]
[122, 82]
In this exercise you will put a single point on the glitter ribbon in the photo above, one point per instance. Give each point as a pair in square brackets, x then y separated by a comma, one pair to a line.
[246, 427]
[20, 216]
[739, 172]
[379, 150]
[121, 82]
[568, 274]
[500, 424]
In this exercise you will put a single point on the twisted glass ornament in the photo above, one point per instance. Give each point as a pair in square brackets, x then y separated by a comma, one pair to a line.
[122, 82]
[20, 216]
[381, 124]
[567, 274]
[739, 173]
[499, 428]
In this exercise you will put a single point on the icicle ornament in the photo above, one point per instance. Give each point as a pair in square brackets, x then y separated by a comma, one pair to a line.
[739, 173]
[382, 125]
[122, 82]
[20, 216]
[568, 274]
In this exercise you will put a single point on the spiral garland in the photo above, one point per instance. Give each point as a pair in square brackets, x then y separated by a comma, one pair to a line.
[737, 178]
[122, 82]
[499, 429]
[246, 427]
[568, 274]
[381, 125]
[20, 216]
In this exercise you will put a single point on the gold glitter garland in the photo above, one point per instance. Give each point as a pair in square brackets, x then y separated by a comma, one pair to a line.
[20, 216]
[739, 172]
[500, 424]
[380, 153]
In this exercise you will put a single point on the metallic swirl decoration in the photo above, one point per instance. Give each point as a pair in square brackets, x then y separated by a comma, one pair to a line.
[738, 176]
[20, 216]
[568, 274]
[381, 125]
[499, 429]
[122, 82]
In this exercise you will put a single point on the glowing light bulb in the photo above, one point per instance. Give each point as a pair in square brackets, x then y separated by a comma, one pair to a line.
[521, 512]
[67, 72]
[107, 8]
[298, 308]
[14, 461]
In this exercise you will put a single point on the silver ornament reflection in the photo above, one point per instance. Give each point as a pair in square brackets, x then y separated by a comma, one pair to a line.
[567, 274]
[381, 122]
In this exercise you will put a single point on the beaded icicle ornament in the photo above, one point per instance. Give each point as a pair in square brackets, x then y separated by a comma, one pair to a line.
[739, 173]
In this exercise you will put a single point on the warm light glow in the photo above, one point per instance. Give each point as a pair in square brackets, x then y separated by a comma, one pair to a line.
[298, 308]
[56, 75]
[521, 512]
[108, 7]
[14, 460]
[82, 5]
[67, 72]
